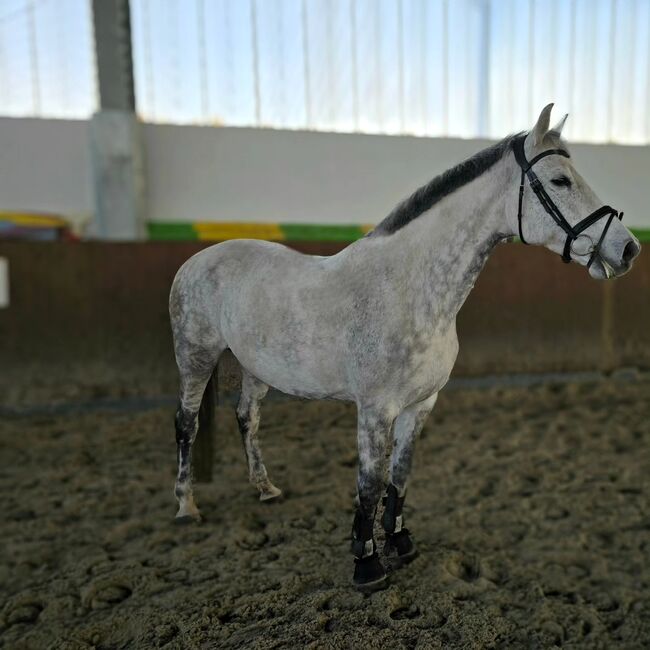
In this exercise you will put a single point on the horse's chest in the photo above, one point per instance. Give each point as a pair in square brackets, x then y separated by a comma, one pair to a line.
[416, 366]
[431, 365]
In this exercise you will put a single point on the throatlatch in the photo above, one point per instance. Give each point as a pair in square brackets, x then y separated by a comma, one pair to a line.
[572, 232]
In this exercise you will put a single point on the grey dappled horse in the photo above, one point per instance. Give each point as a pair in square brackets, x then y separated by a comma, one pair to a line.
[376, 323]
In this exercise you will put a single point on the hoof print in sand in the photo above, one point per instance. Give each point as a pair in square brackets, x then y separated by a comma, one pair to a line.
[105, 594]
[552, 633]
[178, 575]
[398, 605]
[327, 623]
[401, 613]
[26, 613]
[251, 541]
[464, 567]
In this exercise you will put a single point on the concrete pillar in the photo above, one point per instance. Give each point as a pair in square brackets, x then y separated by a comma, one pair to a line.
[118, 175]
[115, 132]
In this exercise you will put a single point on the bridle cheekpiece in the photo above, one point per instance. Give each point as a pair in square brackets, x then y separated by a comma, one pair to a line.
[572, 232]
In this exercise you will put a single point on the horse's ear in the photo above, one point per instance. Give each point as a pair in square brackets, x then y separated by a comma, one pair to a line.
[557, 129]
[541, 128]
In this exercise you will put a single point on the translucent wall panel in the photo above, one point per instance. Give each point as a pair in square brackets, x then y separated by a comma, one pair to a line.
[463, 68]
[46, 58]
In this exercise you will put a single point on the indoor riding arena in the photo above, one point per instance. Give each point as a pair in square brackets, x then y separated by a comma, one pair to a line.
[137, 134]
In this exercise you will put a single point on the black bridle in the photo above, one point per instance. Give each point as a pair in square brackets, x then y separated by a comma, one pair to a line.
[572, 232]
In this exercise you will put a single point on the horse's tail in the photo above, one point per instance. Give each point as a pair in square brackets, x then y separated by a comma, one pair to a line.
[203, 451]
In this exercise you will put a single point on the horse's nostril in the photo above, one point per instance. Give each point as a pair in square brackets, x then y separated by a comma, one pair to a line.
[630, 251]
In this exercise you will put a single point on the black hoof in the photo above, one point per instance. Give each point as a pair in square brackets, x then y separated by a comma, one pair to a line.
[369, 574]
[186, 520]
[399, 549]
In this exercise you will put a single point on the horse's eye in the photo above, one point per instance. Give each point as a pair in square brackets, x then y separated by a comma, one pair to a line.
[561, 181]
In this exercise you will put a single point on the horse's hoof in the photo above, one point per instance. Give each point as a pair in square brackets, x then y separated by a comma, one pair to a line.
[369, 574]
[269, 493]
[185, 520]
[399, 549]
[188, 513]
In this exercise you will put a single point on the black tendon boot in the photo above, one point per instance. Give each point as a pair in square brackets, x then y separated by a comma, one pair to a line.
[399, 547]
[369, 574]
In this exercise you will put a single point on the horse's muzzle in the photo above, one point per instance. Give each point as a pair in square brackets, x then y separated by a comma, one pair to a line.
[604, 268]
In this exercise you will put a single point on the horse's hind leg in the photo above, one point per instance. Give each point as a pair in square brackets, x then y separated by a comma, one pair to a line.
[248, 418]
[399, 547]
[196, 368]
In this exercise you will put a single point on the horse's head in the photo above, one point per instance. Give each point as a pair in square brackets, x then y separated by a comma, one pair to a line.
[559, 210]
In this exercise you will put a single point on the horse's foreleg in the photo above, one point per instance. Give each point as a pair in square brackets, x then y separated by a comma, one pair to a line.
[248, 418]
[399, 545]
[373, 432]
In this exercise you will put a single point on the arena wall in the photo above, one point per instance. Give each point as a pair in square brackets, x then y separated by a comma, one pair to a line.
[207, 174]
[93, 316]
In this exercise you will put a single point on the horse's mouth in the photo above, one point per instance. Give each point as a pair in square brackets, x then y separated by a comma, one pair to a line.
[601, 269]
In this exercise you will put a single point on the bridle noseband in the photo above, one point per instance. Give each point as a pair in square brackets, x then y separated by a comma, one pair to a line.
[572, 232]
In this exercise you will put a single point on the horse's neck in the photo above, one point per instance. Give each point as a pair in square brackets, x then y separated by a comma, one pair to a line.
[444, 251]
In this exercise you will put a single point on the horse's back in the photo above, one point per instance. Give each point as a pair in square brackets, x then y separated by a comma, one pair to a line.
[227, 264]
